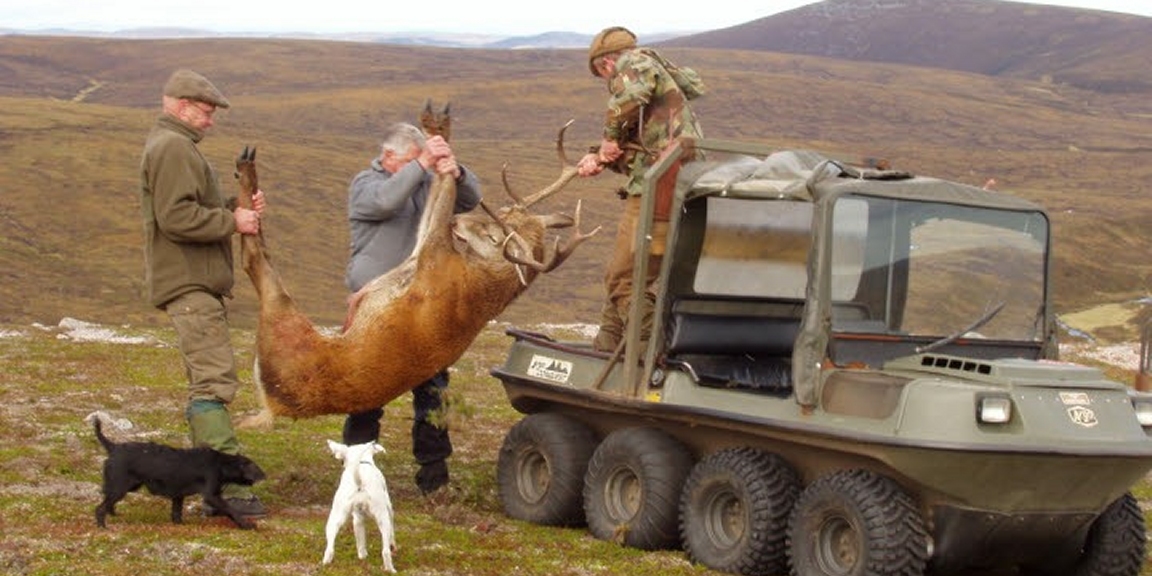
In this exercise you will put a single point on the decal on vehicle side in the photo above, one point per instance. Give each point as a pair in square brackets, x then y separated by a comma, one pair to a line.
[550, 368]
[1075, 398]
[1083, 416]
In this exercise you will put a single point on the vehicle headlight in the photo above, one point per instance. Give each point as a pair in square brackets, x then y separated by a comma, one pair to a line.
[1143, 410]
[994, 409]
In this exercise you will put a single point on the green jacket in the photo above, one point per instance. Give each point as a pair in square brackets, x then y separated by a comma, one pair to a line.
[647, 109]
[187, 225]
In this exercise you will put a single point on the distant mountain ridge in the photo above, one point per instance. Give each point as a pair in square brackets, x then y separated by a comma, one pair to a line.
[1091, 49]
[553, 39]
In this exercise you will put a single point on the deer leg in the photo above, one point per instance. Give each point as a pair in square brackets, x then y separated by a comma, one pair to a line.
[436, 123]
[261, 420]
[270, 290]
[436, 222]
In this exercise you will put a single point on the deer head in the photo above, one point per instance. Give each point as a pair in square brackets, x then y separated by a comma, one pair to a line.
[512, 232]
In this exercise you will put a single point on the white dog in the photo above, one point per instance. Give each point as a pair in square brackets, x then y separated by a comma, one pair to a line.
[362, 492]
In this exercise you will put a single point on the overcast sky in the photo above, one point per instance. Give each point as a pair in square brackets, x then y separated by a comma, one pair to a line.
[487, 17]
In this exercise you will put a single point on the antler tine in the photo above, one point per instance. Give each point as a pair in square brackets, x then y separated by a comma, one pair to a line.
[560, 143]
[554, 255]
[562, 254]
[528, 261]
[507, 187]
[567, 171]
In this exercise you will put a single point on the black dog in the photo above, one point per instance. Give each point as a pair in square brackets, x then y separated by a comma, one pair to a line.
[174, 473]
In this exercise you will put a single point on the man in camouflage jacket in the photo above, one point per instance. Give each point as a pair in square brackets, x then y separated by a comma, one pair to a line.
[648, 109]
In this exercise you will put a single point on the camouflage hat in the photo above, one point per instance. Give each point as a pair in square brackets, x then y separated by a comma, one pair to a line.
[192, 86]
[609, 40]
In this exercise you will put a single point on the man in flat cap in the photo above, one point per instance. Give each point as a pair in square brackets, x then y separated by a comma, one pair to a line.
[188, 228]
[647, 111]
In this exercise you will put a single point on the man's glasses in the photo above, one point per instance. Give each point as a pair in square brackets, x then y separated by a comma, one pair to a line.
[206, 108]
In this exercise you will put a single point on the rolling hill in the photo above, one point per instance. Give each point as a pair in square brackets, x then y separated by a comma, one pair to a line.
[74, 112]
[1091, 49]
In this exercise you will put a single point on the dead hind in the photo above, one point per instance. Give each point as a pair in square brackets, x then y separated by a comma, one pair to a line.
[408, 324]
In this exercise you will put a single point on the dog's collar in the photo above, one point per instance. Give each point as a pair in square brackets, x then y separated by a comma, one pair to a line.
[369, 462]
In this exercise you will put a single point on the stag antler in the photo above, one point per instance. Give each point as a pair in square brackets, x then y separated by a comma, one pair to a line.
[508, 232]
[554, 255]
[567, 173]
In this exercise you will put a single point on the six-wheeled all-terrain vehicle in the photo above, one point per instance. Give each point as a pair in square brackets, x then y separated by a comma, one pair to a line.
[852, 371]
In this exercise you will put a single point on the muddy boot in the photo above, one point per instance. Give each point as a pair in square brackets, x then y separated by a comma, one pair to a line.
[432, 476]
[210, 425]
[431, 447]
[431, 444]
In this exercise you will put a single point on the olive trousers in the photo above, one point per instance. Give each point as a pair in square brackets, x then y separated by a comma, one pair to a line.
[201, 323]
[618, 281]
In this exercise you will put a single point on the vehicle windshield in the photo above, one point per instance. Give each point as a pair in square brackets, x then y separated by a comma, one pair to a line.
[937, 270]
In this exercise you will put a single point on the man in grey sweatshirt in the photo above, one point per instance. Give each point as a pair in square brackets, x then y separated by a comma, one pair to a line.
[385, 205]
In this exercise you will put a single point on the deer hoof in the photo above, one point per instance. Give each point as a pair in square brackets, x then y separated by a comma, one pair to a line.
[261, 420]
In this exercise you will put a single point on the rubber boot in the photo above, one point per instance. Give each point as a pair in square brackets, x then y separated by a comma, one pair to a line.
[210, 425]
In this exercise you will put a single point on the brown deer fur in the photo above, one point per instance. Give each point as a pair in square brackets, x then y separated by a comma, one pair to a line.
[410, 323]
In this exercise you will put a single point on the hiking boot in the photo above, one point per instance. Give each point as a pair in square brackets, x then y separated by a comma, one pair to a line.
[432, 476]
[250, 507]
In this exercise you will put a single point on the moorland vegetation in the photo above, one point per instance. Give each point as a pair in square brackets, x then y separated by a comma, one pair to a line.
[75, 111]
[73, 115]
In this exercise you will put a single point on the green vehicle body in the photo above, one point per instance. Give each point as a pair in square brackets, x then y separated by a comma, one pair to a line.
[862, 326]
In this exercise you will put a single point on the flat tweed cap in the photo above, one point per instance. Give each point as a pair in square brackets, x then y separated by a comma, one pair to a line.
[609, 40]
[187, 84]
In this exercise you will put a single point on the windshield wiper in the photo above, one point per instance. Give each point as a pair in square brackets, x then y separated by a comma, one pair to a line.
[989, 315]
